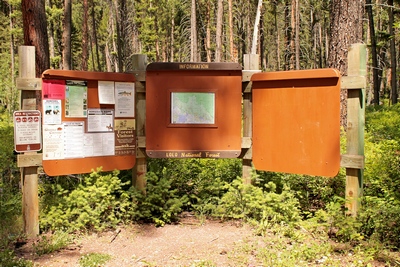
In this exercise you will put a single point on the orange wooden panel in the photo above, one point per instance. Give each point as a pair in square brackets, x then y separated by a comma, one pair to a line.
[296, 121]
[221, 139]
[87, 164]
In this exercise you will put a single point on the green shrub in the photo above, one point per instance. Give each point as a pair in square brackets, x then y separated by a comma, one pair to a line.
[98, 202]
[10, 193]
[312, 192]
[202, 181]
[8, 259]
[255, 205]
[160, 204]
[381, 220]
[380, 212]
[382, 122]
[10, 214]
[8, 166]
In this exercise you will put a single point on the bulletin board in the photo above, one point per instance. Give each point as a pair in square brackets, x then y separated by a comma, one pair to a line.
[193, 110]
[296, 121]
[88, 121]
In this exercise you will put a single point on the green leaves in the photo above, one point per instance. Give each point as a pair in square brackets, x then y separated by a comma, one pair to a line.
[97, 203]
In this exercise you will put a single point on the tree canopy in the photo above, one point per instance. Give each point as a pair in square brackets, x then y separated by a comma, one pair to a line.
[291, 34]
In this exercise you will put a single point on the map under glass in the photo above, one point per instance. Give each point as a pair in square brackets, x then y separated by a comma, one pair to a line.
[192, 108]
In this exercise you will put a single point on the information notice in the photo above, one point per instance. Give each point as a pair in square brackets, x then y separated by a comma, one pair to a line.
[27, 131]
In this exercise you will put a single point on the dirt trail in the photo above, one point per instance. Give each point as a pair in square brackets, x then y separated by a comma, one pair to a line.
[189, 243]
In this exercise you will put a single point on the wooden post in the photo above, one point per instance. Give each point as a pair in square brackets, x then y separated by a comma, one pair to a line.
[29, 174]
[140, 169]
[355, 83]
[251, 66]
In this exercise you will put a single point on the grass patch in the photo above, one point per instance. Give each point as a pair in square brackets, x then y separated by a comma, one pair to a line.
[94, 259]
[8, 259]
[55, 242]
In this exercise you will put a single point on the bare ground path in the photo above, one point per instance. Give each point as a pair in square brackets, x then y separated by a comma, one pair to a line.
[192, 242]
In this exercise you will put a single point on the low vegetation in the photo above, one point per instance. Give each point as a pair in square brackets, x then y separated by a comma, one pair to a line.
[304, 215]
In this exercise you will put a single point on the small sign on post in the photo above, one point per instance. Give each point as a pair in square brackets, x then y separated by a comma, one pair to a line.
[27, 131]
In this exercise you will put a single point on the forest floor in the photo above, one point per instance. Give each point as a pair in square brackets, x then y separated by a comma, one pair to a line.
[192, 242]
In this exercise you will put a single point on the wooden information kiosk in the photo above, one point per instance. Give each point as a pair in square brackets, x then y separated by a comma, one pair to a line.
[88, 121]
[193, 110]
[296, 121]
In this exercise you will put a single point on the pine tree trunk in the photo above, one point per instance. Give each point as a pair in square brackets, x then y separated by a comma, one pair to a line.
[278, 51]
[297, 34]
[256, 28]
[66, 36]
[218, 38]
[230, 19]
[375, 78]
[208, 32]
[193, 35]
[84, 65]
[288, 36]
[393, 60]
[346, 29]
[292, 34]
[96, 57]
[35, 32]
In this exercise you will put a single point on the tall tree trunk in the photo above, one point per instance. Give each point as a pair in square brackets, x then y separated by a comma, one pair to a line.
[10, 101]
[230, 23]
[35, 32]
[288, 35]
[297, 34]
[346, 29]
[172, 34]
[278, 52]
[120, 10]
[85, 36]
[375, 77]
[208, 32]
[51, 39]
[292, 33]
[193, 33]
[256, 28]
[218, 38]
[66, 36]
[94, 39]
[393, 61]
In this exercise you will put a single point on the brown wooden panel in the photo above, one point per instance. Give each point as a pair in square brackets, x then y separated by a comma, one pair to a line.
[87, 164]
[222, 138]
[296, 122]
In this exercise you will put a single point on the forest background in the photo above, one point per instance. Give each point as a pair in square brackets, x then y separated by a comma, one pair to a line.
[102, 35]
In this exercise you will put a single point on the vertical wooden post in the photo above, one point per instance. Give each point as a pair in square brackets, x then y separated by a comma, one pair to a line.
[140, 169]
[355, 125]
[251, 65]
[29, 174]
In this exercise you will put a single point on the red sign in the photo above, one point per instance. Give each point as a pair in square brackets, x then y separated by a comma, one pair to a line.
[296, 121]
[27, 131]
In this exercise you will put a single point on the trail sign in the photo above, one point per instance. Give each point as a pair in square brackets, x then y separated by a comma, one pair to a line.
[193, 110]
[296, 121]
[88, 121]
[27, 131]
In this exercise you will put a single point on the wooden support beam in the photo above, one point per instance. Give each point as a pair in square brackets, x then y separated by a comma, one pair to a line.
[140, 169]
[29, 174]
[355, 126]
[352, 161]
[251, 65]
[353, 82]
[29, 160]
[29, 83]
